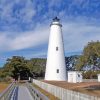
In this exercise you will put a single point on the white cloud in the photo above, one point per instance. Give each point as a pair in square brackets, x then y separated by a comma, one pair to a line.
[41, 54]
[29, 39]
[6, 10]
[77, 35]
[25, 39]
[17, 11]
[4, 41]
[55, 3]
[27, 12]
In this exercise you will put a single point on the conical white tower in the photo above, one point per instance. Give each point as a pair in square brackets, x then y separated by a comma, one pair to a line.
[55, 66]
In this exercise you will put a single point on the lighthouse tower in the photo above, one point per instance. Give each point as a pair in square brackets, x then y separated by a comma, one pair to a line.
[55, 66]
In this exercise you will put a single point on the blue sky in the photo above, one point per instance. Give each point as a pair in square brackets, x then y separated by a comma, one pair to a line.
[25, 25]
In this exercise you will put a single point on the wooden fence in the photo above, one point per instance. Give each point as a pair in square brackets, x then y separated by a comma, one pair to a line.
[64, 94]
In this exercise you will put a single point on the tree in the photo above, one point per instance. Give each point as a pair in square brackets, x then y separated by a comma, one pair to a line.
[90, 59]
[20, 67]
[71, 62]
[37, 66]
[17, 66]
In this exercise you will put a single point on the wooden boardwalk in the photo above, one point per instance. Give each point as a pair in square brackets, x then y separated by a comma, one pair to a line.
[23, 93]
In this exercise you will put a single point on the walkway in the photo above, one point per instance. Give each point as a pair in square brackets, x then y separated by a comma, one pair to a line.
[23, 93]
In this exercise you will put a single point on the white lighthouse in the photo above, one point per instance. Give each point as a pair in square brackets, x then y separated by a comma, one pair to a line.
[55, 66]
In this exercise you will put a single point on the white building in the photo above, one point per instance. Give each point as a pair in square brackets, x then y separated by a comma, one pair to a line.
[74, 76]
[98, 77]
[55, 66]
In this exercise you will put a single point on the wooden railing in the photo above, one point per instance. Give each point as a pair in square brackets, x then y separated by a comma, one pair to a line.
[9, 93]
[37, 95]
[64, 94]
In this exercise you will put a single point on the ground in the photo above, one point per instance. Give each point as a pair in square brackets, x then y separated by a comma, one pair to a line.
[49, 95]
[3, 86]
[91, 88]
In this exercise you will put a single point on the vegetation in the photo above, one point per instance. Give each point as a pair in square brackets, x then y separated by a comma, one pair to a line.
[89, 61]
[37, 67]
[3, 86]
[90, 57]
[49, 95]
[19, 67]
[71, 62]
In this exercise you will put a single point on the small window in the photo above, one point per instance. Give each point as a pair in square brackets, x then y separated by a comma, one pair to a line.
[56, 48]
[57, 70]
[78, 75]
